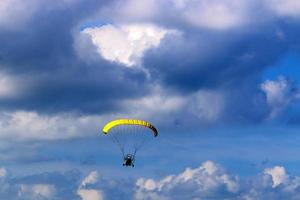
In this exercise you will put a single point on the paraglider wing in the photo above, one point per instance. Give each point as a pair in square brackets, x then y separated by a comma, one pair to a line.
[119, 122]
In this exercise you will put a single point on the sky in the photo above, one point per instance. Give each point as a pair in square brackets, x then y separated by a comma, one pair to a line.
[220, 79]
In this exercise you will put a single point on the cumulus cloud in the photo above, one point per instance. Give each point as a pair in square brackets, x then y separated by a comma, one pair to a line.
[201, 107]
[3, 172]
[37, 191]
[279, 94]
[90, 179]
[30, 125]
[90, 194]
[43, 67]
[211, 181]
[126, 43]
[207, 181]
[38, 186]
[278, 175]
[213, 61]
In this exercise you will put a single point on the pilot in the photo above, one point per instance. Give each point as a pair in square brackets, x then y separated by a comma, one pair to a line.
[128, 160]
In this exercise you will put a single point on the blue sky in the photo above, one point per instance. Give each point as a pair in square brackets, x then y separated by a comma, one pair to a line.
[220, 79]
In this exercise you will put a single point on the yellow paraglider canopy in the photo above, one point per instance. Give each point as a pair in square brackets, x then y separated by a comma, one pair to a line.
[118, 122]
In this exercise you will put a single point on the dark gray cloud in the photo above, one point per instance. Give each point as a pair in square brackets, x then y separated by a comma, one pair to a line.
[210, 59]
[230, 61]
[54, 74]
[51, 77]
[92, 89]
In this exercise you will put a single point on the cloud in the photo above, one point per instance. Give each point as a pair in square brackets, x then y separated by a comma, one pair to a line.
[39, 127]
[90, 179]
[202, 107]
[8, 86]
[142, 10]
[288, 8]
[279, 93]
[15, 13]
[37, 191]
[231, 14]
[211, 181]
[214, 60]
[48, 185]
[207, 105]
[49, 68]
[278, 175]
[90, 194]
[126, 43]
[201, 14]
[3, 172]
[194, 13]
[207, 181]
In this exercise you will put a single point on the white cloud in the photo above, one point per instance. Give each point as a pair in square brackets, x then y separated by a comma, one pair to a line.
[22, 125]
[279, 93]
[145, 9]
[203, 106]
[208, 181]
[90, 194]
[200, 182]
[211, 181]
[126, 43]
[214, 14]
[278, 175]
[159, 106]
[276, 91]
[217, 15]
[275, 183]
[290, 8]
[211, 14]
[37, 191]
[157, 103]
[3, 172]
[9, 86]
[90, 179]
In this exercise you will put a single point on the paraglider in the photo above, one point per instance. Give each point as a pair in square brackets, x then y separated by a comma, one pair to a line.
[130, 135]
